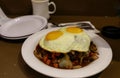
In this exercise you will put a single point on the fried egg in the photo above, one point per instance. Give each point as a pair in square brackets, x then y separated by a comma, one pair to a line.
[57, 41]
[82, 40]
[66, 39]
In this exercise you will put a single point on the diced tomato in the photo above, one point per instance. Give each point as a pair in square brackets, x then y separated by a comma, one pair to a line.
[48, 62]
[55, 65]
[45, 58]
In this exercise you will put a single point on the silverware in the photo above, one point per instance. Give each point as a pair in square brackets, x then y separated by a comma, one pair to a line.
[81, 25]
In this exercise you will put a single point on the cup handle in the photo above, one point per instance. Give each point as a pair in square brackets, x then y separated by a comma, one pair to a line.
[52, 3]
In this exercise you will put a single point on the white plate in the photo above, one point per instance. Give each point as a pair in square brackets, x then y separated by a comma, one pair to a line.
[105, 57]
[22, 26]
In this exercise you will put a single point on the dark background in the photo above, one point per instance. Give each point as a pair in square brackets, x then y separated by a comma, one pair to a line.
[66, 7]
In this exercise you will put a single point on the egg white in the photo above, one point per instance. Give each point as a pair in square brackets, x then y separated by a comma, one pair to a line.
[59, 45]
[81, 43]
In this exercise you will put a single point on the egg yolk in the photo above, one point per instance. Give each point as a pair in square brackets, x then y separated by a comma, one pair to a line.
[53, 35]
[74, 30]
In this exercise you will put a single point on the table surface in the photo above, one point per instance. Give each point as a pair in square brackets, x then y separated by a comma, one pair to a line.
[12, 64]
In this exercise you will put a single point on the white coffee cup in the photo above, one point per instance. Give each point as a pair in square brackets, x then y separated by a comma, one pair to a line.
[41, 7]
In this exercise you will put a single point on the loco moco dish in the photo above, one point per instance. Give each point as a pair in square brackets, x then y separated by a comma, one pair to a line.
[66, 48]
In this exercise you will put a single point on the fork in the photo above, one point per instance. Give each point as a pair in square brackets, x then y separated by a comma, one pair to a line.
[81, 25]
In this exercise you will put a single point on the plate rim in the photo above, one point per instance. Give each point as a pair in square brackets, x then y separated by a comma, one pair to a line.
[70, 71]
